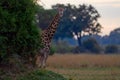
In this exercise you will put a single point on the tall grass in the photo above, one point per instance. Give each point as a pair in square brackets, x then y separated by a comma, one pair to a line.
[84, 60]
[86, 66]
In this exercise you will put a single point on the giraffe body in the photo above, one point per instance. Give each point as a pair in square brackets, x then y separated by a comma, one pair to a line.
[46, 36]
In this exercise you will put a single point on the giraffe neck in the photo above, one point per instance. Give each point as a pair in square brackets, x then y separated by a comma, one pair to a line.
[53, 26]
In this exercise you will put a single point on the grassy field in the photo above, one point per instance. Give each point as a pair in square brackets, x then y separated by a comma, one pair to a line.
[86, 66]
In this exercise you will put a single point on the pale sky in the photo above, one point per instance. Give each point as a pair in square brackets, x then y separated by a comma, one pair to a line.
[108, 9]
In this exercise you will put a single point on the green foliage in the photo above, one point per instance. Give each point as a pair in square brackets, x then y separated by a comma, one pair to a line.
[52, 50]
[18, 32]
[35, 75]
[92, 45]
[42, 75]
[111, 49]
[62, 47]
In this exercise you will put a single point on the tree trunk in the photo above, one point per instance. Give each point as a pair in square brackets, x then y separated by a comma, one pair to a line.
[79, 39]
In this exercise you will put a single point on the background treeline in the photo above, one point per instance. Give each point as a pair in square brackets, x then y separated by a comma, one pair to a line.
[82, 23]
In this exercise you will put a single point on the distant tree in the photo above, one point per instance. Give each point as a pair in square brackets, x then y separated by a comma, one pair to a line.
[18, 32]
[78, 20]
[114, 37]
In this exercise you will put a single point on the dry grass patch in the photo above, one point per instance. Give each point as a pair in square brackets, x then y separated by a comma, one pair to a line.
[83, 60]
[86, 66]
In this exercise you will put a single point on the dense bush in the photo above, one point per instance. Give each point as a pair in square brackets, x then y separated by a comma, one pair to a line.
[92, 45]
[18, 31]
[62, 47]
[111, 49]
[52, 50]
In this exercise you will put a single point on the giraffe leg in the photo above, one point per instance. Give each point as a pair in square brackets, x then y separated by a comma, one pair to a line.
[40, 58]
[45, 59]
[41, 61]
[37, 60]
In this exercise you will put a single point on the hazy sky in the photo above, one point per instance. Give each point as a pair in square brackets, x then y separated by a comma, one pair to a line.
[108, 9]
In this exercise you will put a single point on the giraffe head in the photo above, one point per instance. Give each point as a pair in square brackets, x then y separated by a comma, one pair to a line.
[60, 11]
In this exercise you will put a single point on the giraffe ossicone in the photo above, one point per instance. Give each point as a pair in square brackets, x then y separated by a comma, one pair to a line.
[61, 10]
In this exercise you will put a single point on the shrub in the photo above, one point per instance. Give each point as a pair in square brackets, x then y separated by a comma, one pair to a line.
[62, 47]
[52, 51]
[111, 49]
[92, 45]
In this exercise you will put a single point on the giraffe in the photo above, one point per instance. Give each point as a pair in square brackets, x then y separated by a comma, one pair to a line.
[46, 37]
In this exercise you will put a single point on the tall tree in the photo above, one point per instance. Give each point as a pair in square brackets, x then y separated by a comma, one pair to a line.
[79, 21]
[18, 32]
